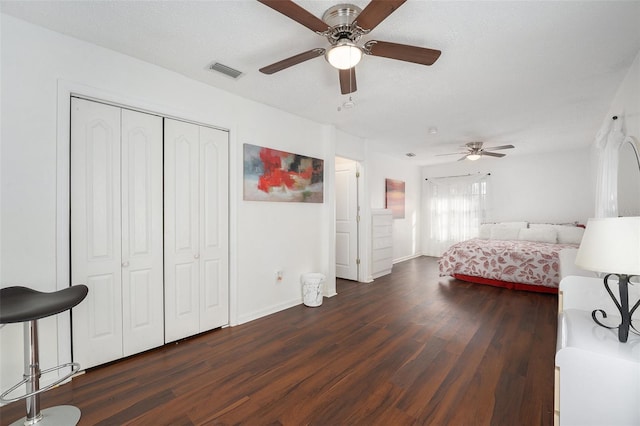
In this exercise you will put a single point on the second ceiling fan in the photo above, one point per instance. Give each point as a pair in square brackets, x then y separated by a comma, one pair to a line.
[343, 25]
[474, 151]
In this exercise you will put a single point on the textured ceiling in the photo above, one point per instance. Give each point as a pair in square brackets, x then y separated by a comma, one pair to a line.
[536, 74]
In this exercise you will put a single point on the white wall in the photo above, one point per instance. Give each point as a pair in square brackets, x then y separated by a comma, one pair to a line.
[551, 188]
[406, 232]
[280, 236]
[626, 102]
[350, 147]
[38, 69]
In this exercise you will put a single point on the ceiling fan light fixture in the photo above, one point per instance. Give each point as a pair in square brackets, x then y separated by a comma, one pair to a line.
[473, 157]
[344, 55]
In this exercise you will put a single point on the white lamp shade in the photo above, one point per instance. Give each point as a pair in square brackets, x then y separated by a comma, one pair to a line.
[344, 55]
[473, 157]
[611, 245]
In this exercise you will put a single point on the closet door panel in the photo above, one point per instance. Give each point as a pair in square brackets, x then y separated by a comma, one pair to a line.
[142, 233]
[186, 275]
[214, 297]
[95, 231]
[182, 247]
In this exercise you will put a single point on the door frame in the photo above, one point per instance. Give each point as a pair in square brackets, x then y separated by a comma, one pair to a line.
[364, 226]
[356, 166]
[65, 90]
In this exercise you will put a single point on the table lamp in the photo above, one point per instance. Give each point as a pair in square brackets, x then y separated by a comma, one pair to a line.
[612, 246]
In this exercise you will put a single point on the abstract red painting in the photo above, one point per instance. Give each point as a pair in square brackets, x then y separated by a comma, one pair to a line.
[272, 175]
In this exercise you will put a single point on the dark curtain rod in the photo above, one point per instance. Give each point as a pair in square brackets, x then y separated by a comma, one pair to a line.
[444, 177]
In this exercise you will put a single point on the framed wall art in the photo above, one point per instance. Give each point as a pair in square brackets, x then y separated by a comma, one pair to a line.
[394, 197]
[272, 175]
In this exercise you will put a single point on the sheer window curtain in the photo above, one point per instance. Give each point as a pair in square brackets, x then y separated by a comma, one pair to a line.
[455, 208]
[608, 142]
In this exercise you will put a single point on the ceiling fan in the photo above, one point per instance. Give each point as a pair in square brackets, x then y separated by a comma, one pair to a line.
[343, 25]
[474, 151]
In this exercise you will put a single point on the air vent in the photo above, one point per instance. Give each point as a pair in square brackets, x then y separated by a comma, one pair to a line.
[410, 154]
[221, 68]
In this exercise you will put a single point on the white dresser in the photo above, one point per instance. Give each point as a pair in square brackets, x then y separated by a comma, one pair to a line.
[597, 378]
[381, 242]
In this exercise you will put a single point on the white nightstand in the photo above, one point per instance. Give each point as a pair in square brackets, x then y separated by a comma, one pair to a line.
[597, 377]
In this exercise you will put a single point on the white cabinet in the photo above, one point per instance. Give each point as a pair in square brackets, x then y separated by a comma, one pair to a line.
[381, 242]
[597, 376]
[196, 237]
[116, 231]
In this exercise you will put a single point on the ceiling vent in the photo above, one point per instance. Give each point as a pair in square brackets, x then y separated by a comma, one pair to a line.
[221, 68]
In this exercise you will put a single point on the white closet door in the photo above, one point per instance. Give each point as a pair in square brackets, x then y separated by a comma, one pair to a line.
[95, 231]
[182, 246]
[214, 275]
[142, 233]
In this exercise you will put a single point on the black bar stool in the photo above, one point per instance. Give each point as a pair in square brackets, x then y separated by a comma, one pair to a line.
[21, 304]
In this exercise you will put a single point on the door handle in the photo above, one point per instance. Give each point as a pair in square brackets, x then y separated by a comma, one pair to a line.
[125, 264]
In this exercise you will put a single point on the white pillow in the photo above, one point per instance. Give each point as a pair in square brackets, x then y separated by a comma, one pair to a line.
[513, 224]
[485, 231]
[570, 234]
[541, 235]
[542, 225]
[567, 234]
[504, 233]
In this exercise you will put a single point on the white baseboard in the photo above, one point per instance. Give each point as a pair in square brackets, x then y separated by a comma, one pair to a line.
[268, 311]
[402, 259]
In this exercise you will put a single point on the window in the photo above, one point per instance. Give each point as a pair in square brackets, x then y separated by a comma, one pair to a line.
[455, 208]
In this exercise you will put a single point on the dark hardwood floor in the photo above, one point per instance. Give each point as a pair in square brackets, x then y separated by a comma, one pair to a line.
[409, 348]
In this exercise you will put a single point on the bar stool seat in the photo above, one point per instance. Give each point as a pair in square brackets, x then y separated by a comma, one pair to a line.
[22, 304]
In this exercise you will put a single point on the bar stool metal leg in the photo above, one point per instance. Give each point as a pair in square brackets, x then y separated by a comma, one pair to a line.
[32, 371]
[62, 415]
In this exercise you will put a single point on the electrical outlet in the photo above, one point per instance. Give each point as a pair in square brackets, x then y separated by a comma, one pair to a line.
[279, 274]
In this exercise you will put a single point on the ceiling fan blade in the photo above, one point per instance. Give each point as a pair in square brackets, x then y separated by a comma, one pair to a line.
[463, 158]
[348, 81]
[291, 10]
[402, 52]
[492, 154]
[294, 60]
[451, 153]
[377, 11]
[493, 148]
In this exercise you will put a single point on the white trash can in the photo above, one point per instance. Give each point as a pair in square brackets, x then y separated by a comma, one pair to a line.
[312, 288]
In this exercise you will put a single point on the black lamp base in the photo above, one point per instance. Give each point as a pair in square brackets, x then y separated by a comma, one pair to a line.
[622, 305]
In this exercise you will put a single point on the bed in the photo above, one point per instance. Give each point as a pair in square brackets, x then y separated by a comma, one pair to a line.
[518, 258]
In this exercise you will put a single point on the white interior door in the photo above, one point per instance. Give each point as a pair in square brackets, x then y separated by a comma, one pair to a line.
[214, 219]
[182, 246]
[95, 231]
[347, 211]
[142, 233]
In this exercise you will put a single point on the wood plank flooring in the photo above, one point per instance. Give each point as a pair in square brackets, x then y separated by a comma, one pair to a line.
[411, 348]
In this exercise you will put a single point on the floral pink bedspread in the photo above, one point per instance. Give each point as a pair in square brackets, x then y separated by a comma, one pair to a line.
[525, 262]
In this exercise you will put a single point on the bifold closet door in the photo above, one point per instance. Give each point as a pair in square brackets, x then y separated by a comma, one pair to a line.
[214, 228]
[116, 231]
[95, 231]
[196, 236]
[142, 232]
